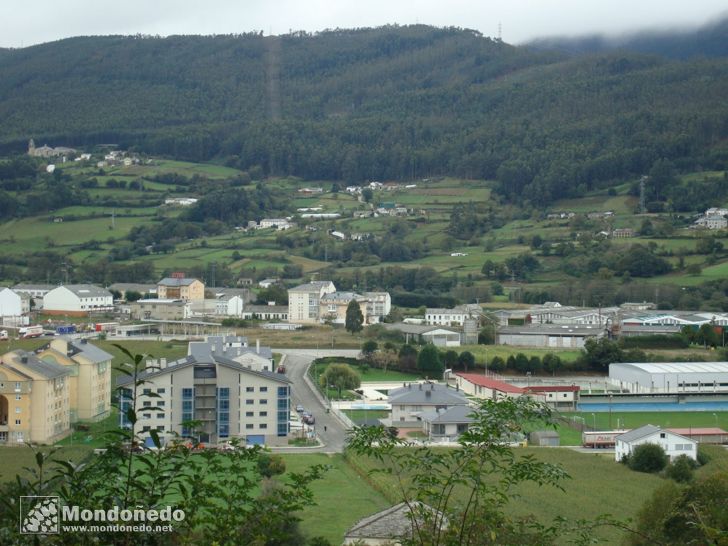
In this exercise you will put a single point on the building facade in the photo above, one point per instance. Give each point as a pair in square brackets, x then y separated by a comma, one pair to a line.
[673, 444]
[180, 288]
[34, 400]
[304, 301]
[227, 399]
[77, 300]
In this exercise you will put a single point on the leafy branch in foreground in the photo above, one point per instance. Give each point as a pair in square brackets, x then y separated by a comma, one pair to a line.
[459, 496]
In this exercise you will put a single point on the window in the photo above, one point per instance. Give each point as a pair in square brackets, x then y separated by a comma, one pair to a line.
[263, 414]
[263, 401]
[18, 396]
[249, 414]
[249, 402]
[662, 434]
[249, 426]
[147, 391]
[161, 391]
[160, 403]
[17, 421]
[146, 429]
[282, 391]
[249, 389]
[263, 425]
[160, 416]
[17, 409]
[147, 416]
[147, 404]
[17, 386]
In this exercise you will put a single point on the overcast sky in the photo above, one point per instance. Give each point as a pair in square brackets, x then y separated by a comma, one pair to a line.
[24, 22]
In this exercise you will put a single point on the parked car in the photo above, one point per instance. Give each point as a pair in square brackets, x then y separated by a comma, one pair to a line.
[308, 419]
[299, 408]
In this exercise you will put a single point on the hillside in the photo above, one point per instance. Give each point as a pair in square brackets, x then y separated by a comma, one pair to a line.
[388, 103]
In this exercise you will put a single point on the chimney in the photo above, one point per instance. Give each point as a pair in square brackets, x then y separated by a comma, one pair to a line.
[420, 386]
[428, 394]
[257, 346]
[24, 359]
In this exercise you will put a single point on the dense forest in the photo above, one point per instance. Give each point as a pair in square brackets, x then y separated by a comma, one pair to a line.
[387, 103]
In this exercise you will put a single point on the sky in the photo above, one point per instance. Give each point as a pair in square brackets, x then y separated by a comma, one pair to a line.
[24, 23]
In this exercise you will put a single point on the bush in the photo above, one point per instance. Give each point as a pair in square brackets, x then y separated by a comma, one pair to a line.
[681, 469]
[648, 458]
[703, 457]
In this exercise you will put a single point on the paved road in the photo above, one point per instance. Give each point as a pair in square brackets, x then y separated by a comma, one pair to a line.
[328, 428]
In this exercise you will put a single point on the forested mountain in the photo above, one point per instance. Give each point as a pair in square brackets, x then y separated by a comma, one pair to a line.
[386, 103]
[710, 40]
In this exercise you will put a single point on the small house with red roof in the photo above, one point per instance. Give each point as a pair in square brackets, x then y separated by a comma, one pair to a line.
[562, 397]
[483, 386]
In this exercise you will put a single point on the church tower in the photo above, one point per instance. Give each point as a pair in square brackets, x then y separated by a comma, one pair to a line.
[31, 147]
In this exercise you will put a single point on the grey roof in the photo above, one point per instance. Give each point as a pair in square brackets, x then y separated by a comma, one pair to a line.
[313, 286]
[49, 370]
[133, 286]
[454, 414]
[170, 281]
[342, 296]
[92, 352]
[219, 346]
[418, 329]
[553, 330]
[424, 394]
[394, 522]
[192, 360]
[682, 368]
[28, 286]
[88, 290]
[638, 433]
[266, 309]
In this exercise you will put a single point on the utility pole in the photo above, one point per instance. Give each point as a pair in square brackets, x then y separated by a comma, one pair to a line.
[643, 199]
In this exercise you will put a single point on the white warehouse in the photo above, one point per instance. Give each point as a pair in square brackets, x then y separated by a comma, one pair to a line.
[670, 377]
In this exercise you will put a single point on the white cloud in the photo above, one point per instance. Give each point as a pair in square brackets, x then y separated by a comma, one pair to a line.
[26, 23]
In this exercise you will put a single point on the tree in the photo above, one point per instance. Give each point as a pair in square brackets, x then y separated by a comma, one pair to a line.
[674, 515]
[428, 361]
[270, 465]
[354, 318]
[367, 194]
[340, 376]
[368, 348]
[466, 360]
[599, 354]
[648, 458]
[450, 358]
[472, 485]
[133, 295]
[274, 292]
[407, 357]
[681, 469]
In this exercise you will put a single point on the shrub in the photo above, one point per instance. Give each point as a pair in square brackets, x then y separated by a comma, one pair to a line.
[648, 458]
[681, 469]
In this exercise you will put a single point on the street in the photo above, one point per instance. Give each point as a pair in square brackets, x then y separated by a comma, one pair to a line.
[296, 362]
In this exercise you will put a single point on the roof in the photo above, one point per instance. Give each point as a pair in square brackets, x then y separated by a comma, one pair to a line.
[454, 414]
[705, 431]
[133, 286]
[173, 281]
[394, 522]
[418, 329]
[87, 290]
[646, 430]
[191, 360]
[493, 384]
[674, 367]
[219, 346]
[552, 388]
[313, 286]
[48, 370]
[435, 394]
[553, 330]
[26, 286]
[342, 296]
[90, 351]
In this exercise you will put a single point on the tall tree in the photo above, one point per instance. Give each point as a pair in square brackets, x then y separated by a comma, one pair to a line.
[429, 362]
[354, 318]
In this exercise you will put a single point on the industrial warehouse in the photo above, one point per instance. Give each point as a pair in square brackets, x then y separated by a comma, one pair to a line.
[670, 377]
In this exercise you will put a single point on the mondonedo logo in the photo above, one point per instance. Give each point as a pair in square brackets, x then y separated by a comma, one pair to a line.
[46, 515]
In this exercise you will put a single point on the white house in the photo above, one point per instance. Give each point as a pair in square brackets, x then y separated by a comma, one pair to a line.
[412, 401]
[452, 317]
[278, 223]
[77, 299]
[673, 444]
[267, 283]
[379, 305]
[12, 304]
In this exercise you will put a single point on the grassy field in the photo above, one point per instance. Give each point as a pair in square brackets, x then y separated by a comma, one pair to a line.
[597, 486]
[16, 459]
[481, 352]
[667, 419]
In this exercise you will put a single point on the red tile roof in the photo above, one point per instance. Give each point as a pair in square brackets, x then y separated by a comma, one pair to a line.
[493, 384]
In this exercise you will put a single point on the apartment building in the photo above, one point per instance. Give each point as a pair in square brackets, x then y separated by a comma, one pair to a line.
[225, 397]
[89, 378]
[180, 288]
[304, 301]
[34, 399]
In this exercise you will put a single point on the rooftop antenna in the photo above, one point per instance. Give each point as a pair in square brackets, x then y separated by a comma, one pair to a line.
[500, 32]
